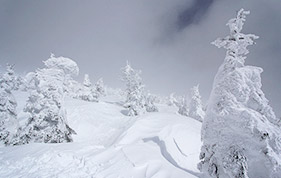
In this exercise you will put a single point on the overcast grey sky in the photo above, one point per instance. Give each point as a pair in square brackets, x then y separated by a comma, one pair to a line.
[169, 40]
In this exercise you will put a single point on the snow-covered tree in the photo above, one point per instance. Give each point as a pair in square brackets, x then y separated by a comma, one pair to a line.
[8, 104]
[88, 93]
[135, 99]
[47, 120]
[87, 82]
[15, 80]
[99, 88]
[75, 89]
[9, 76]
[20, 83]
[172, 100]
[150, 103]
[239, 133]
[183, 106]
[30, 81]
[195, 105]
[68, 66]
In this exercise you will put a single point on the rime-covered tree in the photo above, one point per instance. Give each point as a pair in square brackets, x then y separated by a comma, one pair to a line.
[88, 93]
[69, 68]
[20, 83]
[8, 104]
[87, 82]
[150, 103]
[172, 100]
[75, 89]
[195, 105]
[135, 99]
[99, 88]
[239, 133]
[183, 107]
[16, 80]
[47, 120]
[9, 76]
[30, 81]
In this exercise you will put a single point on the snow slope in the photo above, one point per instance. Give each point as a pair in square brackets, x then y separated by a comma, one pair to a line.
[110, 144]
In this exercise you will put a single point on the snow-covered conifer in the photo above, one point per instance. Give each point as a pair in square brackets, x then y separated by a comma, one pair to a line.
[150, 103]
[8, 104]
[183, 107]
[74, 89]
[68, 66]
[195, 105]
[30, 81]
[88, 93]
[99, 88]
[47, 120]
[16, 81]
[135, 99]
[20, 83]
[172, 100]
[239, 133]
[9, 77]
[87, 82]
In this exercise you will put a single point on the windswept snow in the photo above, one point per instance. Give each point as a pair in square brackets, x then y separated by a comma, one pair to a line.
[110, 144]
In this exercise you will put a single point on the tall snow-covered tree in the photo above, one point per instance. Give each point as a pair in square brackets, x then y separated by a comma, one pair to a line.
[183, 107]
[240, 134]
[47, 120]
[135, 99]
[88, 93]
[99, 88]
[195, 105]
[8, 104]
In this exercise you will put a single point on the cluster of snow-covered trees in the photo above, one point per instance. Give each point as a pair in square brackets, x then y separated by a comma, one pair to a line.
[91, 92]
[189, 107]
[47, 119]
[138, 101]
[240, 133]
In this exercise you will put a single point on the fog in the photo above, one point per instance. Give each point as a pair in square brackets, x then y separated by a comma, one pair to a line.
[169, 40]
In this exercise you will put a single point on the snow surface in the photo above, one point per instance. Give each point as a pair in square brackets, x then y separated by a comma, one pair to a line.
[110, 144]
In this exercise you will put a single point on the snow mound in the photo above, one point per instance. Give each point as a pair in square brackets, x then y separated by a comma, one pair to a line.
[110, 144]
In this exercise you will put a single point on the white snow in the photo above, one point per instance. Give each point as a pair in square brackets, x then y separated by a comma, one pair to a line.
[240, 132]
[110, 144]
